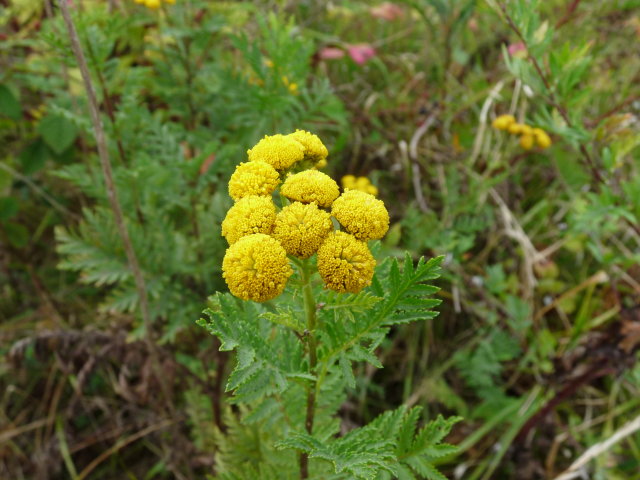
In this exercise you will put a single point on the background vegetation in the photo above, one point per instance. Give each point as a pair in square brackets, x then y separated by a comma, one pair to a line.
[536, 342]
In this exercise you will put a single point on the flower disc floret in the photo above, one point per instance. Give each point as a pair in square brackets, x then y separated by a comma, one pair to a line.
[301, 228]
[252, 214]
[361, 214]
[345, 263]
[314, 148]
[279, 151]
[253, 178]
[311, 186]
[256, 268]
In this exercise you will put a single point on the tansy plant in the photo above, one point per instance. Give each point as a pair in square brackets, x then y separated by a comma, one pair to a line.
[295, 355]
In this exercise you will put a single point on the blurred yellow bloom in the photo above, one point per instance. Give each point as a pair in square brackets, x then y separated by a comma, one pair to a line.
[252, 214]
[152, 4]
[321, 163]
[526, 141]
[542, 138]
[503, 122]
[293, 87]
[253, 178]
[279, 151]
[362, 184]
[516, 128]
[361, 214]
[302, 228]
[311, 186]
[256, 268]
[345, 263]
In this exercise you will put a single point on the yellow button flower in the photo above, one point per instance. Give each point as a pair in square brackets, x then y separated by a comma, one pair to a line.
[302, 228]
[516, 128]
[314, 148]
[345, 263]
[256, 268]
[361, 183]
[321, 164]
[526, 141]
[542, 138]
[252, 214]
[361, 214]
[279, 151]
[253, 178]
[348, 181]
[503, 122]
[311, 186]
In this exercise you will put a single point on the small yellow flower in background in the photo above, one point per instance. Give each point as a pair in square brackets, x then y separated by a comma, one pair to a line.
[279, 151]
[292, 86]
[345, 263]
[267, 62]
[252, 214]
[527, 141]
[515, 128]
[314, 148]
[362, 184]
[542, 138]
[256, 268]
[154, 4]
[529, 137]
[301, 228]
[361, 214]
[311, 186]
[503, 122]
[321, 164]
[253, 178]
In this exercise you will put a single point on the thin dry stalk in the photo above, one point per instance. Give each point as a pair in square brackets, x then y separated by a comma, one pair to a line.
[112, 195]
[105, 163]
[627, 429]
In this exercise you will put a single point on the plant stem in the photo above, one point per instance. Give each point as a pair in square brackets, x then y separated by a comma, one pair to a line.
[310, 310]
[114, 202]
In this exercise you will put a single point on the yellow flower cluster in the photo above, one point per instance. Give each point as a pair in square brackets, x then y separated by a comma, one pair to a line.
[529, 137]
[359, 183]
[154, 4]
[255, 265]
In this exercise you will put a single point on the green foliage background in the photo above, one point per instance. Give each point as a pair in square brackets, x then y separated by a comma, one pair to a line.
[540, 278]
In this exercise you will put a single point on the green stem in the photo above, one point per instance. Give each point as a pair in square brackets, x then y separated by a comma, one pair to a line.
[312, 349]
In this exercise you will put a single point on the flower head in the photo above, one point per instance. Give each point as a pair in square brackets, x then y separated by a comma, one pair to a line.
[252, 214]
[361, 53]
[345, 263]
[361, 214]
[542, 138]
[253, 178]
[256, 268]
[311, 186]
[526, 141]
[321, 164]
[314, 148]
[360, 183]
[279, 151]
[302, 228]
[503, 122]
